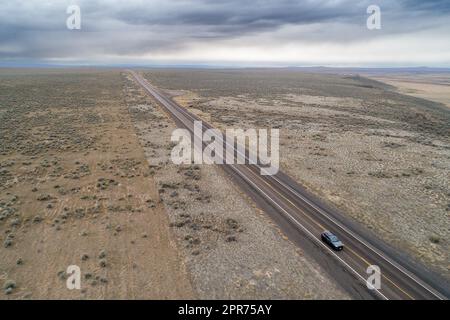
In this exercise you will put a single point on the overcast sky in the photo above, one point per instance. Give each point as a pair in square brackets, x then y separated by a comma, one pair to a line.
[229, 32]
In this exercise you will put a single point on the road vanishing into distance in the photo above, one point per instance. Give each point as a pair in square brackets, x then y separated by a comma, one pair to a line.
[303, 217]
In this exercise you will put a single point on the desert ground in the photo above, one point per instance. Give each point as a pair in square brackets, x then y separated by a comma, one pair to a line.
[378, 155]
[231, 248]
[85, 179]
[76, 189]
[434, 87]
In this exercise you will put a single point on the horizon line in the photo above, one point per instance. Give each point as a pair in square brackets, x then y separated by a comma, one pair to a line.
[218, 66]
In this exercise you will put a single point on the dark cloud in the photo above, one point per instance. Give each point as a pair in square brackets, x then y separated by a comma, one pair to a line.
[36, 29]
[433, 6]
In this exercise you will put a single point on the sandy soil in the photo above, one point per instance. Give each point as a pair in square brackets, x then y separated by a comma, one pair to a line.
[381, 157]
[432, 87]
[76, 190]
[232, 249]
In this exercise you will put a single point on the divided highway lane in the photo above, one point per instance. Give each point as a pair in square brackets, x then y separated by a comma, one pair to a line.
[302, 216]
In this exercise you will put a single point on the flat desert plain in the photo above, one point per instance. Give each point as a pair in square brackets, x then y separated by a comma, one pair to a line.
[434, 87]
[86, 180]
[378, 155]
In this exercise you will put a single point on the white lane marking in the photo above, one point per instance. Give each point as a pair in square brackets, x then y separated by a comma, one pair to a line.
[306, 230]
[245, 177]
[370, 247]
[162, 99]
[392, 263]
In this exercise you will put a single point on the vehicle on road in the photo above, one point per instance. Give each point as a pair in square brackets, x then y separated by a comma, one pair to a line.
[333, 241]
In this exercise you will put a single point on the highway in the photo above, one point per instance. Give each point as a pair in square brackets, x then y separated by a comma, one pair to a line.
[303, 217]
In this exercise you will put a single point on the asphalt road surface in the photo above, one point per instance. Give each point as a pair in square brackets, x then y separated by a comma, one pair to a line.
[303, 217]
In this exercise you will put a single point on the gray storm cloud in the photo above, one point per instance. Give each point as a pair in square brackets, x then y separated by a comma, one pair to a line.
[211, 30]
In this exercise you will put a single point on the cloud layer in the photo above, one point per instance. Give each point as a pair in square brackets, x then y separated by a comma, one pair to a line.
[329, 32]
